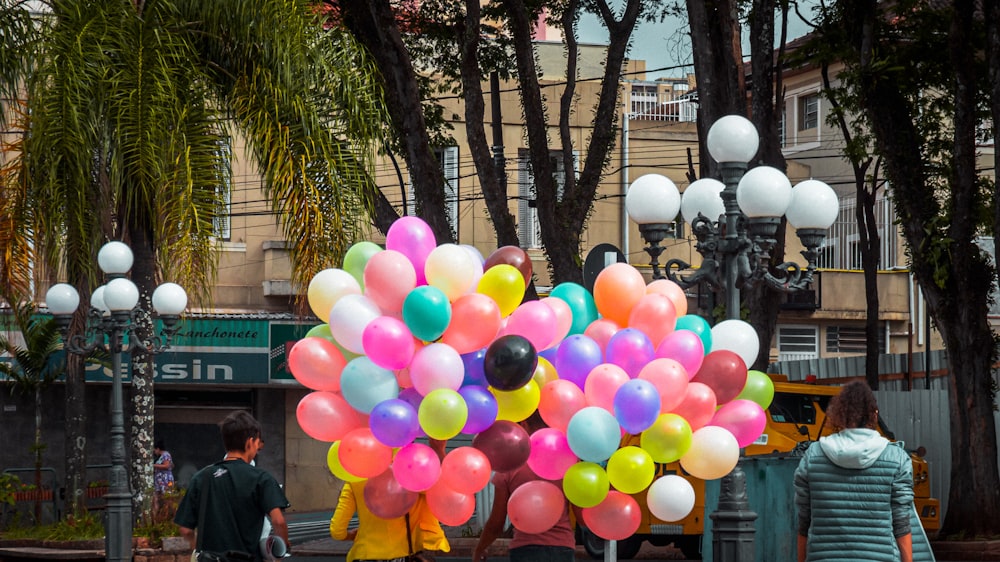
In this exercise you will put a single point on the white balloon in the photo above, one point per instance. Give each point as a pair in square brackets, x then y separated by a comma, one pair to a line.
[327, 287]
[713, 454]
[670, 498]
[739, 337]
[348, 319]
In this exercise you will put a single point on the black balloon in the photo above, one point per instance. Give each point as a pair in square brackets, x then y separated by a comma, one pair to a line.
[510, 362]
[506, 445]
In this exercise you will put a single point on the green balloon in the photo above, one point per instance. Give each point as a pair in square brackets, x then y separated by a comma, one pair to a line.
[581, 304]
[357, 257]
[426, 312]
[759, 389]
[586, 484]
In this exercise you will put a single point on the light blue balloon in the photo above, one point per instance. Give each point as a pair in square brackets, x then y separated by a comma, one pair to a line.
[364, 384]
[581, 305]
[593, 434]
[698, 325]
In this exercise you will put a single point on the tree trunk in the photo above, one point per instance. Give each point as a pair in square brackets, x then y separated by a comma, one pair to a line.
[373, 24]
[870, 243]
[140, 427]
[38, 447]
[76, 428]
[991, 9]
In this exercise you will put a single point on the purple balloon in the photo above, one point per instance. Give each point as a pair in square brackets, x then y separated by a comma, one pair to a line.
[412, 396]
[549, 354]
[475, 375]
[631, 350]
[577, 356]
[637, 405]
[394, 422]
[482, 406]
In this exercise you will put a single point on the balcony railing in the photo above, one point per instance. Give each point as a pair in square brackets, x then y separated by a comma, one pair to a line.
[662, 106]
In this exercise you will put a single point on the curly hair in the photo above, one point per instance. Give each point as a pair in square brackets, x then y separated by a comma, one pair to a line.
[853, 407]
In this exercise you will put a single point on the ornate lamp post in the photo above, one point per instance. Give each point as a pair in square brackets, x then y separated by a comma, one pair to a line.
[735, 222]
[110, 326]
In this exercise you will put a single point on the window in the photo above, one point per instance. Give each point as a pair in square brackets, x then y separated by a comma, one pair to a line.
[797, 342]
[808, 112]
[782, 127]
[851, 339]
[527, 214]
[223, 213]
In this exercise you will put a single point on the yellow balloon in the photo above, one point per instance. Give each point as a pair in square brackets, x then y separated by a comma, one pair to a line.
[442, 413]
[586, 484]
[667, 439]
[505, 285]
[544, 372]
[517, 405]
[337, 469]
[631, 470]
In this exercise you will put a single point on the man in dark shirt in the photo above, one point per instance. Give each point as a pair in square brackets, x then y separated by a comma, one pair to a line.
[239, 495]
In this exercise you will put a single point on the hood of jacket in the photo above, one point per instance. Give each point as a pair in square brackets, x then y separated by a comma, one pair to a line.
[855, 448]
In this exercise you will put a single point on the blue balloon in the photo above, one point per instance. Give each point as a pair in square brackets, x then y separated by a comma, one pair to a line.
[593, 434]
[698, 325]
[364, 384]
[394, 422]
[577, 356]
[475, 375]
[637, 405]
[483, 408]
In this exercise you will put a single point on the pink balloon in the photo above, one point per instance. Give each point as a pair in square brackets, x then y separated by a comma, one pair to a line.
[601, 331]
[436, 366]
[416, 467]
[559, 400]
[450, 507]
[326, 416]
[671, 290]
[601, 385]
[388, 342]
[385, 498]
[685, 347]
[550, 455]
[362, 454]
[316, 363]
[616, 518]
[535, 321]
[536, 506]
[669, 378]
[745, 419]
[655, 316]
[475, 322]
[564, 319]
[466, 470]
[698, 405]
[389, 278]
[414, 238]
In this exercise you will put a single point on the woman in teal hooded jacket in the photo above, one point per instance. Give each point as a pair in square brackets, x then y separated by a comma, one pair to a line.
[854, 489]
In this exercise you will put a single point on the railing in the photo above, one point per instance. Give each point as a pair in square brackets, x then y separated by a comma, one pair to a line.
[662, 106]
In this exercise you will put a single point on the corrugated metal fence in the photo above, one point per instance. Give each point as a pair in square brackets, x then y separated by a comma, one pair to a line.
[918, 417]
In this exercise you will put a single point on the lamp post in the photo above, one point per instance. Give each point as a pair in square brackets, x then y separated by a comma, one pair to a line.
[111, 318]
[735, 222]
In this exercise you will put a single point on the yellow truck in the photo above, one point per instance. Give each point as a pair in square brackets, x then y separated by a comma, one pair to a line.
[795, 418]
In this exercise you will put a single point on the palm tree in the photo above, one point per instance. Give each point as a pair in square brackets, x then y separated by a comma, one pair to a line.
[134, 106]
[33, 366]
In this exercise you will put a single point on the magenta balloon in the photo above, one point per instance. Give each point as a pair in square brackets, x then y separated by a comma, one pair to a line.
[685, 347]
[414, 238]
[506, 444]
[394, 422]
[316, 363]
[326, 416]
[745, 419]
[386, 498]
[637, 405]
[483, 408]
[416, 467]
[388, 343]
[550, 456]
[630, 349]
[536, 321]
[576, 357]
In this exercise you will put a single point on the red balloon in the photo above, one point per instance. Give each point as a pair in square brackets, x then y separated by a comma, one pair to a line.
[506, 445]
[724, 372]
[511, 255]
[616, 518]
[386, 498]
[450, 507]
[698, 405]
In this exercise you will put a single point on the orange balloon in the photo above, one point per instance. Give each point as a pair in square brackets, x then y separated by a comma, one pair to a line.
[475, 321]
[673, 291]
[617, 289]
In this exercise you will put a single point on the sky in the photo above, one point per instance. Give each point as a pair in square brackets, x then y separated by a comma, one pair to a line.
[666, 45]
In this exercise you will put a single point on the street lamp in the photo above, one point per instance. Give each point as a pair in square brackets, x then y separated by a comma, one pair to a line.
[735, 222]
[110, 327]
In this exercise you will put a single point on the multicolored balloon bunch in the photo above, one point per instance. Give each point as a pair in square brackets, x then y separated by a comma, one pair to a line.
[434, 340]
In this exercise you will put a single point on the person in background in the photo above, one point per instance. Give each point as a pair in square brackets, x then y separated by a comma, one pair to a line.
[163, 472]
[854, 488]
[418, 533]
[236, 495]
[558, 544]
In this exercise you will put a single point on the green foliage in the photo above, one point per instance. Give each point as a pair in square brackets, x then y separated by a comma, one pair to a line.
[85, 527]
[160, 523]
[9, 484]
[38, 363]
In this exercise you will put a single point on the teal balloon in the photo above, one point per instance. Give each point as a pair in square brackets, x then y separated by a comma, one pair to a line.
[426, 312]
[323, 331]
[363, 384]
[581, 304]
[357, 257]
[698, 325]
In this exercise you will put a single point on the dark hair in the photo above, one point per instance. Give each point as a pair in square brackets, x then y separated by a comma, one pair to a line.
[236, 428]
[158, 444]
[853, 407]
